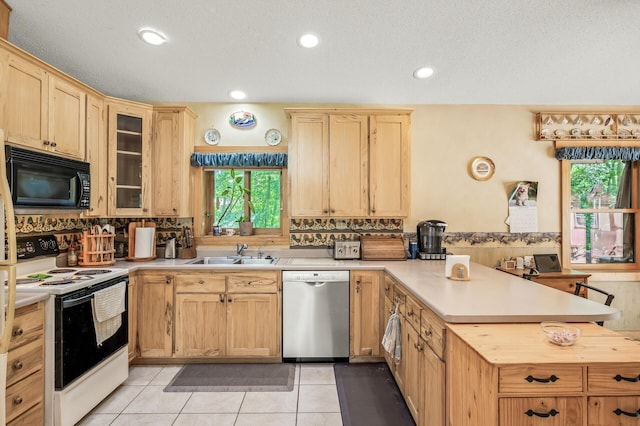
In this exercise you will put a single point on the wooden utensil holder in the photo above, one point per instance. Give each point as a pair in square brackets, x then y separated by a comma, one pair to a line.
[97, 250]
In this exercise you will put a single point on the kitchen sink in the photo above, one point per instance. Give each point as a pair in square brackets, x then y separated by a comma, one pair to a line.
[233, 260]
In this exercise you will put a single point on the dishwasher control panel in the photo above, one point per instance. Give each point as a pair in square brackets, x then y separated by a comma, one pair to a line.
[346, 250]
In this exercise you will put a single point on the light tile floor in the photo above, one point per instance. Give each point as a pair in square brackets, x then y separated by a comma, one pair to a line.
[141, 401]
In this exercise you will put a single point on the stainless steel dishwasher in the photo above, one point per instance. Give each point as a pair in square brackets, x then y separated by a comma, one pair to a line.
[315, 316]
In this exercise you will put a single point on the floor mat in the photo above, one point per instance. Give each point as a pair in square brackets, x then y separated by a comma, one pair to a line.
[233, 378]
[369, 396]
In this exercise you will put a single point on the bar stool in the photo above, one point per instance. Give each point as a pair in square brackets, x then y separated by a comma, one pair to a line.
[607, 302]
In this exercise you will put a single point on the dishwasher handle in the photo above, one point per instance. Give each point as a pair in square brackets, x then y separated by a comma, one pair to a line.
[316, 283]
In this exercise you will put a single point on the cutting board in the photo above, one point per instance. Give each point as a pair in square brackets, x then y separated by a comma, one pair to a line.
[383, 248]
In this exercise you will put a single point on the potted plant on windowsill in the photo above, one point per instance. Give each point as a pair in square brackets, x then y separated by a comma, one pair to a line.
[245, 225]
[235, 192]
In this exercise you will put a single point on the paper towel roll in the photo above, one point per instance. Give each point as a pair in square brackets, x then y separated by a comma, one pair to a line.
[145, 240]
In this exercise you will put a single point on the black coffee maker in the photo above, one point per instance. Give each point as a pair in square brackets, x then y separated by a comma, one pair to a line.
[430, 239]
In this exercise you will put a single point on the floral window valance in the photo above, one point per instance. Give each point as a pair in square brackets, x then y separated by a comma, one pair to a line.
[624, 153]
[239, 159]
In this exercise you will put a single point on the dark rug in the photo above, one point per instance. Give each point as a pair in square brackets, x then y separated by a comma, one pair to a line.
[233, 378]
[369, 396]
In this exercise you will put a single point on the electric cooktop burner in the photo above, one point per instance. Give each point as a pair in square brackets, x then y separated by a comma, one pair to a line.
[57, 282]
[61, 271]
[26, 281]
[93, 272]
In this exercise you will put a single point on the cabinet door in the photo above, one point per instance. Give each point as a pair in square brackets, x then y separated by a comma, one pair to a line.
[399, 372]
[365, 313]
[173, 130]
[411, 369]
[129, 139]
[432, 388]
[155, 315]
[565, 411]
[200, 325]
[97, 154]
[348, 165]
[309, 165]
[389, 165]
[253, 325]
[67, 118]
[27, 103]
[613, 410]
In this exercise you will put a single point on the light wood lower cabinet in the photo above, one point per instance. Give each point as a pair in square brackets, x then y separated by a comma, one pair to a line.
[25, 368]
[217, 314]
[155, 314]
[510, 375]
[132, 317]
[365, 315]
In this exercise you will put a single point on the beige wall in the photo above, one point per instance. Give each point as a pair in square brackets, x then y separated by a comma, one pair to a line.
[445, 139]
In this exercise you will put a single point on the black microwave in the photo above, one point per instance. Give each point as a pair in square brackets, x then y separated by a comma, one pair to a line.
[40, 180]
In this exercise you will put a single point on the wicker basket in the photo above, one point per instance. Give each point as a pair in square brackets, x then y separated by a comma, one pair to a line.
[97, 250]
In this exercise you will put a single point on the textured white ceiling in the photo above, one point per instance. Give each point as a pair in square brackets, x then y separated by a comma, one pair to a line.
[567, 52]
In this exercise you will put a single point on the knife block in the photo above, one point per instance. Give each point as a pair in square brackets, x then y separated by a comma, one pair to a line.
[186, 253]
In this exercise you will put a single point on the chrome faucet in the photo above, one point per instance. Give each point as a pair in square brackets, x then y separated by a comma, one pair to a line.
[240, 248]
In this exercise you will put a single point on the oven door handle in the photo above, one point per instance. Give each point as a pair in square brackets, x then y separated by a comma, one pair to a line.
[74, 302]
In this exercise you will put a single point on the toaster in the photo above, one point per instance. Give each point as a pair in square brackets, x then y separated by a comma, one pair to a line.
[346, 250]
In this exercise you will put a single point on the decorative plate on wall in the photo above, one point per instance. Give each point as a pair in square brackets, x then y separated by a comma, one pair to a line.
[212, 136]
[242, 119]
[482, 168]
[273, 137]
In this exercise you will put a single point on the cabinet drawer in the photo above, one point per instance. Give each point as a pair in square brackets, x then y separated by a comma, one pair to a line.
[27, 325]
[563, 284]
[542, 379]
[24, 360]
[412, 312]
[200, 283]
[611, 410]
[432, 331]
[388, 288]
[400, 298]
[566, 411]
[256, 282]
[624, 378]
[34, 416]
[24, 395]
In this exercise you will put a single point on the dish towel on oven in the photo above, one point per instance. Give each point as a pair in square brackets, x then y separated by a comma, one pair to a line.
[392, 339]
[108, 305]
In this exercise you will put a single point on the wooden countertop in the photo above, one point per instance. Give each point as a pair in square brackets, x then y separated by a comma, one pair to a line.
[506, 343]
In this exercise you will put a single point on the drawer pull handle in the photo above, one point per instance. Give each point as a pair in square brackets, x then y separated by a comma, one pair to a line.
[18, 331]
[619, 412]
[551, 379]
[619, 378]
[17, 365]
[17, 400]
[552, 413]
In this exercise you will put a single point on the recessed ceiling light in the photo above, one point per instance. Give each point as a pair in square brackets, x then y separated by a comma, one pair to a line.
[423, 72]
[151, 36]
[308, 40]
[237, 94]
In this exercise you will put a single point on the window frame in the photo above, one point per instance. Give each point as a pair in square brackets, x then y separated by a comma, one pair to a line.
[204, 192]
[567, 222]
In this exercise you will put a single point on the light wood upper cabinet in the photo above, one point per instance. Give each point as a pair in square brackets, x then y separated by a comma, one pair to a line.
[349, 163]
[365, 314]
[97, 154]
[389, 164]
[43, 111]
[309, 164]
[172, 144]
[129, 142]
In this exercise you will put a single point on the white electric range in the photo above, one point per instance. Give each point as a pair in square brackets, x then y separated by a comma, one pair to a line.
[80, 370]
